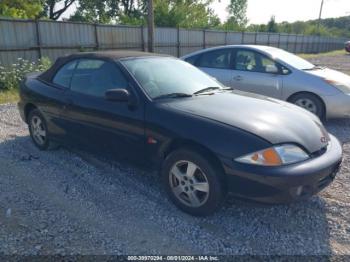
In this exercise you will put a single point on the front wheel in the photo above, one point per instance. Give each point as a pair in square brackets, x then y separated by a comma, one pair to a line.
[193, 184]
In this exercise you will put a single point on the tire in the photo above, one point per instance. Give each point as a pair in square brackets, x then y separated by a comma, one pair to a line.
[205, 184]
[310, 102]
[38, 131]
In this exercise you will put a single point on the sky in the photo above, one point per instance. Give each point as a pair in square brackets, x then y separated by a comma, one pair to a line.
[260, 11]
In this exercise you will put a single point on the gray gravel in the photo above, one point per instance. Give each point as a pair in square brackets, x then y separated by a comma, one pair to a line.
[69, 202]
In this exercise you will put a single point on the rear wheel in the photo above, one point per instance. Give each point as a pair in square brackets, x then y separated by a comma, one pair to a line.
[38, 130]
[309, 102]
[192, 182]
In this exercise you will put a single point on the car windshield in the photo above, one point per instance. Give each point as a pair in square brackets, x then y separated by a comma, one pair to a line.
[291, 59]
[165, 77]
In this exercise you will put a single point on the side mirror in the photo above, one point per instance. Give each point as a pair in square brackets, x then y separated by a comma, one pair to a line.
[272, 69]
[117, 95]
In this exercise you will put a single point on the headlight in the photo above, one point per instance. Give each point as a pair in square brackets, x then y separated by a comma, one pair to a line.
[275, 156]
[343, 88]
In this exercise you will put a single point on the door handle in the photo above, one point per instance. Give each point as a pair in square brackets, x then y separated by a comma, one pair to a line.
[238, 78]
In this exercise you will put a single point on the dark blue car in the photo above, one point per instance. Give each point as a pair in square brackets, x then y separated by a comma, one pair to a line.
[204, 138]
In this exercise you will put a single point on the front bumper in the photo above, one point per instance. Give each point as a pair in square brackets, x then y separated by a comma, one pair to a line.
[286, 183]
[337, 106]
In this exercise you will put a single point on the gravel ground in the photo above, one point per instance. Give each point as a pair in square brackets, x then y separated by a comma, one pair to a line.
[71, 202]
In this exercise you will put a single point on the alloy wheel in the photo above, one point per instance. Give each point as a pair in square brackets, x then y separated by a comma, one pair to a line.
[189, 183]
[38, 130]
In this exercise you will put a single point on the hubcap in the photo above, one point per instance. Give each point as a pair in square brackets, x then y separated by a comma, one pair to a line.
[38, 130]
[189, 183]
[307, 104]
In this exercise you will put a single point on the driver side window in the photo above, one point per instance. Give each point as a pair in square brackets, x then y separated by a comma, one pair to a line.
[94, 77]
[247, 60]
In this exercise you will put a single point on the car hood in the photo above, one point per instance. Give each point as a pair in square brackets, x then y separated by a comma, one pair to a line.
[336, 76]
[273, 120]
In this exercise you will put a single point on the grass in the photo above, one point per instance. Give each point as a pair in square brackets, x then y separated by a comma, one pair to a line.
[332, 53]
[9, 96]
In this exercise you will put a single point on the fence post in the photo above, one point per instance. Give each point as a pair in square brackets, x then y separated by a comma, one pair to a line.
[142, 39]
[255, 38]
[295, 44]
[319, 44]
[97, 44]
[178, 42]
[288, 42]
[268, 39]
[38, 38]
[225, 37]
[302, 44]
[279, 41]
[204, 40]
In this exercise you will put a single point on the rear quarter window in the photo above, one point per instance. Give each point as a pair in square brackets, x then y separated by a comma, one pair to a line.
[192, 59]
[64, 74]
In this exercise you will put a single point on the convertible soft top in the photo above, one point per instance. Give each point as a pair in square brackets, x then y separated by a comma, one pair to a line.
[113, 55]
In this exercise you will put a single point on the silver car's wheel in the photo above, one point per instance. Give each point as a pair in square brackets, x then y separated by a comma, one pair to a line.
[189, 183]
[38, 130]
[307, 104]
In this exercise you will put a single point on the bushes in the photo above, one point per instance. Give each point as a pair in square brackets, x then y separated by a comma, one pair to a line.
[11, 76]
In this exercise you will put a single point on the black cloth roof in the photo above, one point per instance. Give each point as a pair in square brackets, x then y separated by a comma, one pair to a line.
[112, 55]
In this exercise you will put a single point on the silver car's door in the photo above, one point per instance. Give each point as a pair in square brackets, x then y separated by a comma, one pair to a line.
[218, 64]
[254, 72]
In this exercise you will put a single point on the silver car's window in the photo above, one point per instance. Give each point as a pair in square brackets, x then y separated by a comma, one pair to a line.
[247, 60]
[220, 58]
[160, 76]
[291, 59]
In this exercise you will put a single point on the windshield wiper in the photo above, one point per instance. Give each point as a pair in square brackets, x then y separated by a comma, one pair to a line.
[207, 89]
[314, 68]
[172, 95]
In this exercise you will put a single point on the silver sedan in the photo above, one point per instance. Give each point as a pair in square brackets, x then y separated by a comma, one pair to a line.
[276, 73]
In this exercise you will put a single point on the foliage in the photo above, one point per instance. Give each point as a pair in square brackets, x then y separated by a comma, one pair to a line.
[97, 11]
[20, 8]
[108, 11]
[335, 27]
[173, 13]
[11, 76]
[184, 13]
[237, 10]
[272, 25]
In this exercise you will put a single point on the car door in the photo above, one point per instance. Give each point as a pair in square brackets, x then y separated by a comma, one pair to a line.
[218, 64]
[254, 72]
[99, 124]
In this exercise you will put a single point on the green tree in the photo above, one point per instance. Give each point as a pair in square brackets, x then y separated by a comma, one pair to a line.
[185, 13]
[20, 8]
[54, 9]
[99, 11]
[237, 10]
[272, 26]
[108, 11]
